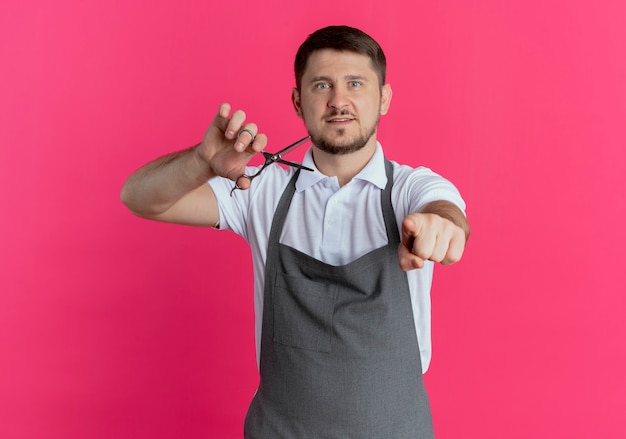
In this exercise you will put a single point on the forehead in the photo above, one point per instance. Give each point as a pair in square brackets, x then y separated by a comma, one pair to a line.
[332, 63]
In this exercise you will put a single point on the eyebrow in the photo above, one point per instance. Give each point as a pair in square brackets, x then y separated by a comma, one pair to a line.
[347, 78]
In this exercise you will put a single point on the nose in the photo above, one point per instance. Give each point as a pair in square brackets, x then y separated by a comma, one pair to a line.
[337, 99]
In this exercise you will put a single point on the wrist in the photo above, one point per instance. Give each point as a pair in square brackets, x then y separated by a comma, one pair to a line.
[201, 164]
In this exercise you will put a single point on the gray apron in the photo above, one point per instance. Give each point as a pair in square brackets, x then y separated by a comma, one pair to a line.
[339, 352]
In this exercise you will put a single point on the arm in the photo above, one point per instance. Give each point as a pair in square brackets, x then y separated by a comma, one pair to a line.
[173, 188]
[438, 232]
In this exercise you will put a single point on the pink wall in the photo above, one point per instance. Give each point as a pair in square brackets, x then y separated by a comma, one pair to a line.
[114, 327]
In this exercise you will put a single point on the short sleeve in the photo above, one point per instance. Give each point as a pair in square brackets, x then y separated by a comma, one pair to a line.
[232, 209]
[421, 186]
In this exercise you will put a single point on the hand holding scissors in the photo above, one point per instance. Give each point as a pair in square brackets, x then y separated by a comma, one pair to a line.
[271, 158]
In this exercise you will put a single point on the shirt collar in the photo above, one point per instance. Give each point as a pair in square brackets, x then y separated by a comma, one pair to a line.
[373, 172]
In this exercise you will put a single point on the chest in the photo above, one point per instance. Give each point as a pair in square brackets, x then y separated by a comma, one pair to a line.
[335, 225]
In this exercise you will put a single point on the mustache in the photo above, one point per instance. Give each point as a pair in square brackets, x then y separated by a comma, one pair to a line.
[335, 113]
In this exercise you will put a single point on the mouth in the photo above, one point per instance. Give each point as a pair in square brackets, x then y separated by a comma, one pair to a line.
[338, 120]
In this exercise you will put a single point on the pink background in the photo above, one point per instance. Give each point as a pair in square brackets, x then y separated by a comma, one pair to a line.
[114, 327]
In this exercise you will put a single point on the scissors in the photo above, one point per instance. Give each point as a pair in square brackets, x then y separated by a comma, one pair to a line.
[271, 158]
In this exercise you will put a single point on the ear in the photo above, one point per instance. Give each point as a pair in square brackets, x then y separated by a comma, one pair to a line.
[385, 98]
[295, 100]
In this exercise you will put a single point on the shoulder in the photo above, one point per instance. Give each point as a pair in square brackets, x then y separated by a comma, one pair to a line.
[421, 177]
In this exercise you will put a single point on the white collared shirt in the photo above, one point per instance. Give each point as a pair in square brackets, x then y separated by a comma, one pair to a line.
[334, 224]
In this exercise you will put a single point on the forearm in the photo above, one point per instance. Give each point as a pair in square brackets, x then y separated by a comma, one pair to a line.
[173, 188]
[449, 211]
[157, 186]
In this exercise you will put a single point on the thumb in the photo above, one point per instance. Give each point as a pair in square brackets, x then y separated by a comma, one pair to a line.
[409, 232]
[408, 261]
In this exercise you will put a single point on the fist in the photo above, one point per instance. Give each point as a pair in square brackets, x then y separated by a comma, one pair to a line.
[429, 237]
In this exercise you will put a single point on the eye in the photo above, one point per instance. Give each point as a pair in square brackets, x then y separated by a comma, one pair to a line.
[355, 84]
[322, 85]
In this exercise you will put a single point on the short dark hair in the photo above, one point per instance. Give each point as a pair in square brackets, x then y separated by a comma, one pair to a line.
[341, 38]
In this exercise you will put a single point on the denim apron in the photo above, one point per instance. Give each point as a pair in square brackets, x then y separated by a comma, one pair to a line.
[339, 352]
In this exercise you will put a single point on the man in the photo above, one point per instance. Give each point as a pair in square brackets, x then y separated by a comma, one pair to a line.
[343, 256]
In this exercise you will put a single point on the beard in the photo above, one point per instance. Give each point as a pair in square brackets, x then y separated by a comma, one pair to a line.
[348, 146]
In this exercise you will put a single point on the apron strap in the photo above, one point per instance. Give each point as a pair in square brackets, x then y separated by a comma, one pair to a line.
[393, 235]
[281, 212]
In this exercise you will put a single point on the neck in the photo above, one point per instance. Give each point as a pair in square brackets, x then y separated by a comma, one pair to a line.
[343, 166]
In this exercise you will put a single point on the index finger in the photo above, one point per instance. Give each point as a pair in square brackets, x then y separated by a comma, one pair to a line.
[222, 117]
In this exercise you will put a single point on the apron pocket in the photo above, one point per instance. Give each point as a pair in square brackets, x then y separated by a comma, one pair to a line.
[303, 313]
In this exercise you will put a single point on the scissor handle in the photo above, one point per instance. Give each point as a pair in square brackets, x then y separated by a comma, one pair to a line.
[237, 183]
[271, 158]
[250, 177]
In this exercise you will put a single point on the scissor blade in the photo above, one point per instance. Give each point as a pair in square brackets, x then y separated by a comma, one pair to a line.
[294, 165]
[295, 144]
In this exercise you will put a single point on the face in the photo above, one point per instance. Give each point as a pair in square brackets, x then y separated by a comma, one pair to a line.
[341, 100]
